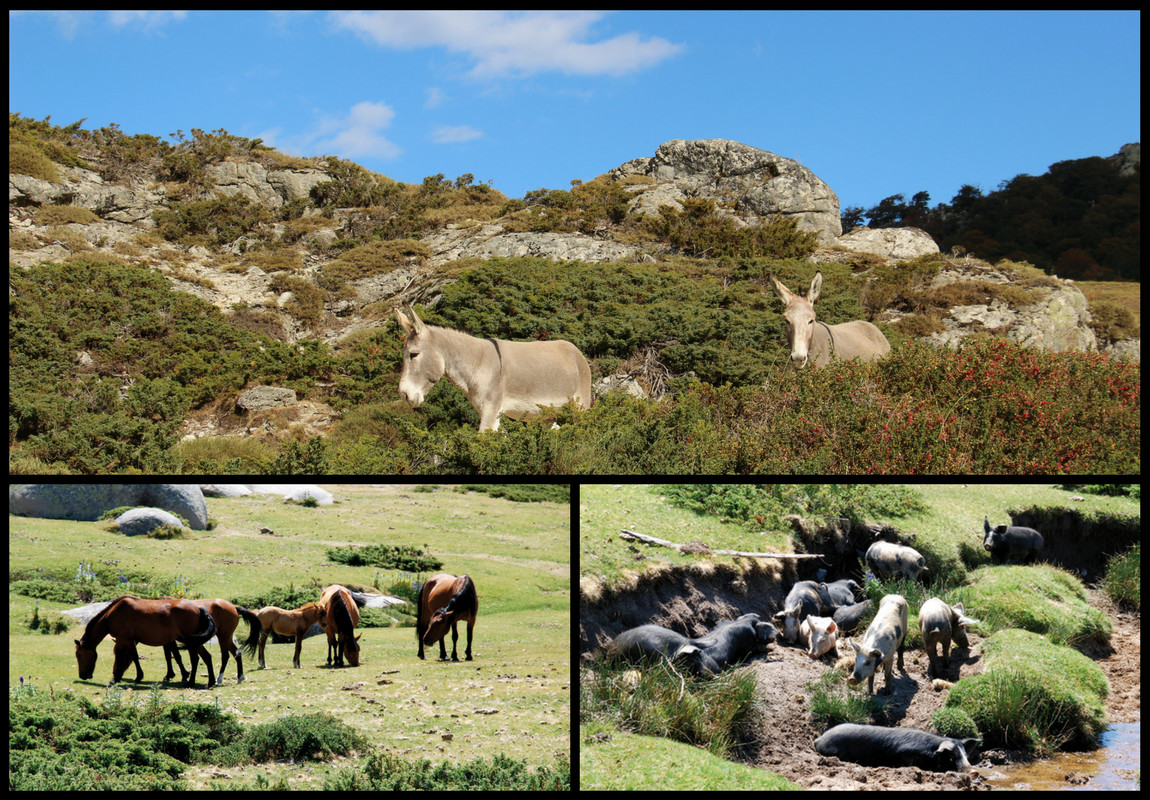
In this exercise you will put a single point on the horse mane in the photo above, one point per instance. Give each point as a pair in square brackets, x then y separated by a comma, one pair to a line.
[465, 599]
[94, 621]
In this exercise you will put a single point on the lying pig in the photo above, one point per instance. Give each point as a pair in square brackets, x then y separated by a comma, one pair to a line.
[885, 634]
[1008, 543]
[820, 635]
[730, 642]
[837, 594]
[802, 600]
[848, 618]
[647, 643]
[875, 746]
[940, 624]
[886, 560]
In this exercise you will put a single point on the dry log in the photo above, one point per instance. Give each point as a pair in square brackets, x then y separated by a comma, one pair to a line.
[696, 547]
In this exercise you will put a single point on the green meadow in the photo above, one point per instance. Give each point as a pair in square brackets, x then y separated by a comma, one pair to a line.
[513, 699]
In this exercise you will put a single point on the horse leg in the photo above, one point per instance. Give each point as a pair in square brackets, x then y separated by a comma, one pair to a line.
[194, 655]
[263, 641]
[443, 648]
[470, 628]
[224, 658]
[298, 648]
[136, 659]
[454, 639]
[239, 668]
[122, 655]
[170, 650]
[208, 662]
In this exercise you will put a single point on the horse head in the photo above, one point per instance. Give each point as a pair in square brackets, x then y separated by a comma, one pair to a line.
[799, 315]
[86, 659]
[423, 363]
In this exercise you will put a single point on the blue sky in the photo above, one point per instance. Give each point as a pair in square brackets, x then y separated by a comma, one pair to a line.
[873, 103]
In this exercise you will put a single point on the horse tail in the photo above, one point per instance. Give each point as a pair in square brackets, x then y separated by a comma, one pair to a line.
[207, 631]
[254, 628]
[422, 618]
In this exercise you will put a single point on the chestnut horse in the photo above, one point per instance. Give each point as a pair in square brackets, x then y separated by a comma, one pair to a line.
[227, 619]
[288, 623]
[156, 623]
[443, 601]
[342, 617]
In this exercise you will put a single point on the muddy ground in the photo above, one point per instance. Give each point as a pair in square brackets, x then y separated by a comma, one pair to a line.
[786, 746]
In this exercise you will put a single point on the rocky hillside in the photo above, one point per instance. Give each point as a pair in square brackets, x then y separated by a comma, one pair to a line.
[318, 248]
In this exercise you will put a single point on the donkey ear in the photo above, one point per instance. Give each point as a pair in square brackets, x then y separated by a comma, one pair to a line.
[816, 287]
[782, 291]
[404, 323]
[419, 326]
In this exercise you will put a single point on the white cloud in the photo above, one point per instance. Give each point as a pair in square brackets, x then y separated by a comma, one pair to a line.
[358, 134]
[513, 42]
[454, 134]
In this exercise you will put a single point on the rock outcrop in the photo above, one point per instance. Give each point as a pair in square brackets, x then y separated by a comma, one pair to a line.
[88, 501]
[897, 244]
[755, 182]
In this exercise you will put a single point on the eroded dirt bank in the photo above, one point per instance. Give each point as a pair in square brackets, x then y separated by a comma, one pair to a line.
[692, 600]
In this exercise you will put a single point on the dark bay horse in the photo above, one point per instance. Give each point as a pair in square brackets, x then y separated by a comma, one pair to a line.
[227, 619]
[156, 623]
[342, 617]
[443, 601]
[289, 623]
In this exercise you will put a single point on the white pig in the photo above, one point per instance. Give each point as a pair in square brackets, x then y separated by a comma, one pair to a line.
[885, 635]
[819, 634]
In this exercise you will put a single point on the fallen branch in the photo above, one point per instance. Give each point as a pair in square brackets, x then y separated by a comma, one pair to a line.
[696, 547]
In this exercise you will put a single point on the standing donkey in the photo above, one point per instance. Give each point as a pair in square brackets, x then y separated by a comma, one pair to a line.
[498, 377]
[811, 340]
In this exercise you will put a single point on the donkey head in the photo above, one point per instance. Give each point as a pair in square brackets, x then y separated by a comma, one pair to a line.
[423, 363]
[800, 318]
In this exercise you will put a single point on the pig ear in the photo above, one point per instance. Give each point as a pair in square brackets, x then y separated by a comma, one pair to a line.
[986, 524]
[831, 628]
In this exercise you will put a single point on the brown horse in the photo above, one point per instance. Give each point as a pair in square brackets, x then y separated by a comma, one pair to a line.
[227, 619]
[156, 623]
[288, 623]
[443, 601]
[342, 617]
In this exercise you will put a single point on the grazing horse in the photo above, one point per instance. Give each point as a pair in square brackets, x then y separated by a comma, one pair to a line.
[443, 601]
[498, 377]
[227, 619]
[810, 339]
[342, 617]
[288, 623]
[156, 623]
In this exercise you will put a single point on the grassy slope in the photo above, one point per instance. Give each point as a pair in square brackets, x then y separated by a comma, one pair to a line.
[517, 553]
